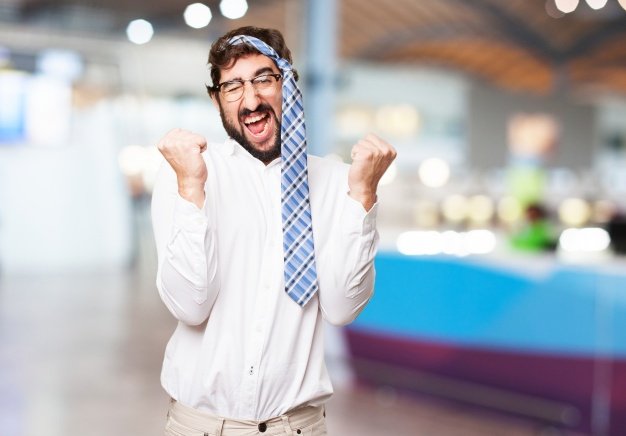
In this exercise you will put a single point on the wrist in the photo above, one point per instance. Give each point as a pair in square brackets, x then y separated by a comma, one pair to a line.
[366, 198]
[192, 191]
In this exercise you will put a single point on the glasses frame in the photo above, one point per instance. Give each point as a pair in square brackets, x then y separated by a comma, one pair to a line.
[219, 86]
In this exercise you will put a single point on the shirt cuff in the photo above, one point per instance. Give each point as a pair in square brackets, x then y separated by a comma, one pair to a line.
[357, 219]
[189, 217]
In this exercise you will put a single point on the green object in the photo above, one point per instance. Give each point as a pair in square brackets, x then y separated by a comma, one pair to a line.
[535, 236]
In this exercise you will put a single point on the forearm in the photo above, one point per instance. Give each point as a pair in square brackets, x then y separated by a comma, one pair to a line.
[350, 265]
[187, 277]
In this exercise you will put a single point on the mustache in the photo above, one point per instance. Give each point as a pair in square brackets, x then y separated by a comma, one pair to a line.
[263, 107]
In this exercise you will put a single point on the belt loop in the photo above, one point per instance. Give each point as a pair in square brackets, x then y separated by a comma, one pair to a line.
[285, 419]
[169, 408]
[218, 430]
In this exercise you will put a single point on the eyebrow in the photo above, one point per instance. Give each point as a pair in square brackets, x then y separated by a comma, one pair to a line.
[256, 73]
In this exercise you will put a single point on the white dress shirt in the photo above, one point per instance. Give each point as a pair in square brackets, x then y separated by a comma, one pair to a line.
[242, 348]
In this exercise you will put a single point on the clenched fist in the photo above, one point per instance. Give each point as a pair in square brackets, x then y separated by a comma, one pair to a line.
[371, 157]
[183, 151]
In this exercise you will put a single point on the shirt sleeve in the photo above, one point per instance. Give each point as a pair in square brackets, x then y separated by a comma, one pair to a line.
[187, 278]
[347, 279]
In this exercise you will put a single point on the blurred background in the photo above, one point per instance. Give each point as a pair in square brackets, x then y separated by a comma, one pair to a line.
[500, 305]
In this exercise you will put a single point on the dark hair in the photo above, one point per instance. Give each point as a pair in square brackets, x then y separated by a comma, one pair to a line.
[224, 55]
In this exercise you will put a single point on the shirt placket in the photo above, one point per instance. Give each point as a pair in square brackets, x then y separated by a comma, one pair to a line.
[258, 323]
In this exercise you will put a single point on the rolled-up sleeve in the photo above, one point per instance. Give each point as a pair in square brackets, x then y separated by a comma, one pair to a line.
[187, 259]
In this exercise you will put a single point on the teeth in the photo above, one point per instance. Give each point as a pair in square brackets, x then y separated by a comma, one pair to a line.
[254, 119]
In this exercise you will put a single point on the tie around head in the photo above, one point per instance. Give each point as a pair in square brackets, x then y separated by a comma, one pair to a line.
[264, 48]
[299, 253]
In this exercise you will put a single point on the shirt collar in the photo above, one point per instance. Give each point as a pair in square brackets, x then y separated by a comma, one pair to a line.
[232, 147]
[229, 146]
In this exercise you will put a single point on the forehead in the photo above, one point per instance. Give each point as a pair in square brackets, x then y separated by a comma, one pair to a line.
[247, 67]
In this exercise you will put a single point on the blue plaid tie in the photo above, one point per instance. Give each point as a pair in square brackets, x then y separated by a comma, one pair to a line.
[300, 275]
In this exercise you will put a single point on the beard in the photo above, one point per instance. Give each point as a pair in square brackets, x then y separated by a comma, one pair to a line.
[265, 156]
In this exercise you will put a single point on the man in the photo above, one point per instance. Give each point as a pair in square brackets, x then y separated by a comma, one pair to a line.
[247, 356]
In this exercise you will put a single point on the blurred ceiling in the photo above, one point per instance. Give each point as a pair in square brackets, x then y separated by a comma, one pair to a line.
[513, 44]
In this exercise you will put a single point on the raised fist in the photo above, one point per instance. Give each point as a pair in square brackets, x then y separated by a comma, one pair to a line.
[371, 157]
[183, 151]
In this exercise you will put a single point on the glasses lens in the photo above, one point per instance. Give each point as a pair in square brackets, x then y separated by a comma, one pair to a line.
[264, 82]
[232, 90]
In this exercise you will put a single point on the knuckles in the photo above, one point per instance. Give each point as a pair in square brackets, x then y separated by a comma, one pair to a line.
[179, 140]
[371, 151]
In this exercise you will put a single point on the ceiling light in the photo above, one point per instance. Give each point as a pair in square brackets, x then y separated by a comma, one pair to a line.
[197, 15]
[233, 9]
[139, 31]
[566, 6]
[622, 3]
[596, 4]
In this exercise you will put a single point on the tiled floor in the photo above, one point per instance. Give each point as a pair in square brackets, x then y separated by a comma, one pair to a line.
[80, 355]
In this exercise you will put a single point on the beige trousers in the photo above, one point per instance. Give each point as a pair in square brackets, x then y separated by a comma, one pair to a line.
[185, 421]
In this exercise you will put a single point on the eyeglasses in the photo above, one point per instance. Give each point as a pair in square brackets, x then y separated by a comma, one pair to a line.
[263, 84]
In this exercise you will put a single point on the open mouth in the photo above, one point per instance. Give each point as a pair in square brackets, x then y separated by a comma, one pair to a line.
[258, 124]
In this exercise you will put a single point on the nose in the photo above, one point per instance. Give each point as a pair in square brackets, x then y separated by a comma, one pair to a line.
[250, 96]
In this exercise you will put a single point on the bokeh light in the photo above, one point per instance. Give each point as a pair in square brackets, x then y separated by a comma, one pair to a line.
[574, 212]
[197, 15]
[434, 172]
[566, 6]
[139, 31]
[591, 239]
[233, 9]
[596, 4]
[455, 208]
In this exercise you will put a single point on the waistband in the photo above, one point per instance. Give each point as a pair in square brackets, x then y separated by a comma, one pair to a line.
[205, 422]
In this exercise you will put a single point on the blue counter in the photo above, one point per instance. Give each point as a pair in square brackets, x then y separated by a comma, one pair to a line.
[551, 334]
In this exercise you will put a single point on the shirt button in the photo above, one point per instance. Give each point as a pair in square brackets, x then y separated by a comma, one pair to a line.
[262, 427]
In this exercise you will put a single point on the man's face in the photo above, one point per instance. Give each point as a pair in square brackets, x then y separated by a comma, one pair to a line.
[254, 119]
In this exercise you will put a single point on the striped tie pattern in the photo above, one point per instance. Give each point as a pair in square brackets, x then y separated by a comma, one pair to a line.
[300, 274]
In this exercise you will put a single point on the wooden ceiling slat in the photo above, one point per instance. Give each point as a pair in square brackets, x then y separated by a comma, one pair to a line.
[512, 43]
